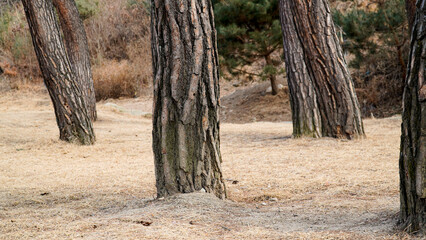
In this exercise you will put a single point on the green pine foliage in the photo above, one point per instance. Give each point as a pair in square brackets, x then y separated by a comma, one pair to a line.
[248, 31]
[368, 33]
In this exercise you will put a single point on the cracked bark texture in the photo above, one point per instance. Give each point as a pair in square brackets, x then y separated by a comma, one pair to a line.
[327, 68]
[66, 94]
[77, 49]
[186, 98]
[304, 107]
[412, 162]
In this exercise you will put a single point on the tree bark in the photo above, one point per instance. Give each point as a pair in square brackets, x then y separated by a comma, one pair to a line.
[304, 107]
[77, 49]
[337, 101]
[272, 77]
[412, 163]
[66, 93]
[186, 141]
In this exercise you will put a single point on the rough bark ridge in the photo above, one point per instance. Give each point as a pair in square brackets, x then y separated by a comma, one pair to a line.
[78, 49]
[67, 97]
[412, 163]
[304, 106]
[340, 113]
[186, 98]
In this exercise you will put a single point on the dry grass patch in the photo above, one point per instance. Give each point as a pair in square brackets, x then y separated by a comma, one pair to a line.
[113, 79]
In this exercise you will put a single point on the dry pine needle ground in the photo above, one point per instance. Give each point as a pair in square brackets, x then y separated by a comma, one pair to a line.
[279, 187]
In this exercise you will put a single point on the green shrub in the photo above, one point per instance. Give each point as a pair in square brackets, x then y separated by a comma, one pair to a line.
[5, 19]
[87, 8]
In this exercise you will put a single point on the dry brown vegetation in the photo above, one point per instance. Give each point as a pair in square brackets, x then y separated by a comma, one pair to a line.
[279, 187]
[119, 43]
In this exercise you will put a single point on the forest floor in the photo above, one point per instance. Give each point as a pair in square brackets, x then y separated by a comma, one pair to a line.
[278, 187]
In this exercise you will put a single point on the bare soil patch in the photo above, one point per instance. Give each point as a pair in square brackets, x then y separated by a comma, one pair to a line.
[279, 187]
[253, 104]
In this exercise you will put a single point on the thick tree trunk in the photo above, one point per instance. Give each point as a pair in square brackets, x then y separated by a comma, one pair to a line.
[304, 107]
[339, 107]
[272, 77]
[78, 49]
[412, 163]
[186, 98]
[65, 92]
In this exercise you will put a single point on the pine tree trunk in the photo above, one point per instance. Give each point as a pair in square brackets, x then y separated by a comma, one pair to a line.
[339, 107]
[412, 163]
[304, 107]
[78, 49]
[272, 77]
[66, 94]
[274, 84]
[186, 98]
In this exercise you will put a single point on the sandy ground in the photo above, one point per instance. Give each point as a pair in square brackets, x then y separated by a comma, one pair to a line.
[279, 187]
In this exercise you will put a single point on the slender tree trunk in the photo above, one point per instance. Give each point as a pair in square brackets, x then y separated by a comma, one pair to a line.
[78, 49]
[304, 107]
[412, 163]
[339, 107]
[410, 6]
[272, 77]
[65, 92]
[186, 98]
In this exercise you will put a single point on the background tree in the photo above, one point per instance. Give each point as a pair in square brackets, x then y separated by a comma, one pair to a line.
[77, 49]
[304, 107]
[186, 98]
[65, 91]
[249, 31]
[323, 56]
[412, 163]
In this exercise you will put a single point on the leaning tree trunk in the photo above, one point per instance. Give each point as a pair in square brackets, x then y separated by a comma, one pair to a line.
[304, 107]
[412, 163]
[186, 98]
[337, 101]
[78, 49]
[65, 92]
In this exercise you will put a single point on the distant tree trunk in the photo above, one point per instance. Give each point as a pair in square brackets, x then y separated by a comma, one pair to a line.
[186, 98]
[66, 93]
[303, 99]
[410, 6]
[337, 101]
[412, 163]
[272, 77]
[78, 49]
